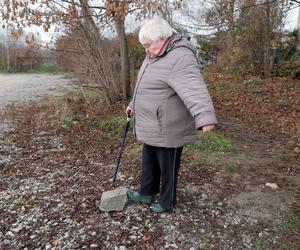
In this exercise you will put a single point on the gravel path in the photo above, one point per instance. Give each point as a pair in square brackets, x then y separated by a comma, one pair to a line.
[52, 175]
[25, 87]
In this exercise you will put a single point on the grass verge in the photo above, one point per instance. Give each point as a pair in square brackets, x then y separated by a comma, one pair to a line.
[212, 142]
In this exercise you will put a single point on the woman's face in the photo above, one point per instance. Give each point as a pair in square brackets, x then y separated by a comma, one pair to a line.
[153, 48]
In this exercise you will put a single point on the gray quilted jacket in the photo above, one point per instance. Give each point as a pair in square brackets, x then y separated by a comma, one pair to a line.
[170, 99]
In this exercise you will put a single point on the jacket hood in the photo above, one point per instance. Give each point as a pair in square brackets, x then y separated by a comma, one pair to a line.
[178, 41]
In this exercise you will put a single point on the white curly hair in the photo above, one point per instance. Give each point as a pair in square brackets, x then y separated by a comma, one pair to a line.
[154, 30]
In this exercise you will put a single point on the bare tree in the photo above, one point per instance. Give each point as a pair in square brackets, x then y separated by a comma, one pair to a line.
[79, 14]
[247, 31]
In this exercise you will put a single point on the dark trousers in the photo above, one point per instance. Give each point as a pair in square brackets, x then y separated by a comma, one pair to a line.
[160, 165]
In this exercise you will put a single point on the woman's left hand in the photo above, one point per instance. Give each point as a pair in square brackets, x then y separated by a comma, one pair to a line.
[208, 128]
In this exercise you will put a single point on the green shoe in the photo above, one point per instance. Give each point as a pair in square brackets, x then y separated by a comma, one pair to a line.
[135, 196]
[156, 208]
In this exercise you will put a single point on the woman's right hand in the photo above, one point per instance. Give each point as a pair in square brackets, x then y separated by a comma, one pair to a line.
[129, 111]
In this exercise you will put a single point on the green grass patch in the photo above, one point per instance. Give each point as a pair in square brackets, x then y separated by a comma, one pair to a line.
[197, 163]
[110, 127]
[186, 228]
[290, 226]
[212, 142]
[4, 71]
[67, 120]
[110, 123]
[254, 80]
[283, 246]
[41, 69]
[215, 156]
[47, 68]
[229, 168]
[258, 245]
[297, 181]
[90, 92]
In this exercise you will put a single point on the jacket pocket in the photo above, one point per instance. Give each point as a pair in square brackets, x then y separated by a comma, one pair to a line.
[159, 119]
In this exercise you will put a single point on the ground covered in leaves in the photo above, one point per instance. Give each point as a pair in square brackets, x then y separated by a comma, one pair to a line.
[57, 157]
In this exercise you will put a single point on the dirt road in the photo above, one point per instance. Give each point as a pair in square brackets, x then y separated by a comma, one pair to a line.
[24, 87]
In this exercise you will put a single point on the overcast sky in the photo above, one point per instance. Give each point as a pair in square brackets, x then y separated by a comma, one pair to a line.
[291, 23]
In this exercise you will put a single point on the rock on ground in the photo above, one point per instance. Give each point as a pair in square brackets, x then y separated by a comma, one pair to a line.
[113, 200]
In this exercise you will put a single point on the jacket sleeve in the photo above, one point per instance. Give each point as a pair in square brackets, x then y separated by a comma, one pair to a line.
[189, 85]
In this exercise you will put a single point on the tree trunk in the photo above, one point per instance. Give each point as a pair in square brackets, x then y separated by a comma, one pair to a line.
[101, 70]
[7, 50]
[267, 43]
[231, 23]
[298, 27]
[125, 65]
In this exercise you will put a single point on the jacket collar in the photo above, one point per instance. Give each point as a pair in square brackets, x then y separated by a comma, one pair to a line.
[168, 45]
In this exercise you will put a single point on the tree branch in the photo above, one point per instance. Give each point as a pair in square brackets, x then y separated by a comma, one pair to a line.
[295, 1]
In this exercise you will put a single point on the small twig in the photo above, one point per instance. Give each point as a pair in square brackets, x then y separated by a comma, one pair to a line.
[91, 86]
[88, 102]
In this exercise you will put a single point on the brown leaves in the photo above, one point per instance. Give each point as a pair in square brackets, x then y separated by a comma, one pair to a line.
[117, 8]
[16, 33]
[271, 107]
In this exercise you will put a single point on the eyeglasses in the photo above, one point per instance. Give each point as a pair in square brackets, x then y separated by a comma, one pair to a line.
[146, 46]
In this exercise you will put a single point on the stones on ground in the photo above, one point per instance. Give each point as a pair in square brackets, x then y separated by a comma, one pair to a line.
[171, 245]
[273, 186]
[113, 200]
[3, 162]
[246, 239]
[133, 237]
[94, 246]
[258, 90]
[10, 234]
[48, 246]
[120, 248]
[17, 229]
[284, 103]
[148, 224]
[119, 176]
[254, 80]
[55, 243]
[81, 231]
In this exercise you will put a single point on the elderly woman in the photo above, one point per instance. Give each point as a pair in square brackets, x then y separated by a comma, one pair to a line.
[170, 103]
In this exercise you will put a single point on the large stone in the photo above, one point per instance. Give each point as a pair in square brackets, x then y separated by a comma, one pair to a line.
[254, 80]
[284, 103]
[113, 200]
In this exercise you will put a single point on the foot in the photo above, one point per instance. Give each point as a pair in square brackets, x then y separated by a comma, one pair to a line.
[136, 196]
[157, 208]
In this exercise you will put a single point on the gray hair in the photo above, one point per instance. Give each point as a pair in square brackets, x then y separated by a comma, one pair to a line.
[154, 30]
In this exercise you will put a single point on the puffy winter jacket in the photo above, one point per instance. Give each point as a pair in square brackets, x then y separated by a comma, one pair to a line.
[171, 100]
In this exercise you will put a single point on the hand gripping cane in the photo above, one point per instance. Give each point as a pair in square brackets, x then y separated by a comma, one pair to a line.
[122, 146]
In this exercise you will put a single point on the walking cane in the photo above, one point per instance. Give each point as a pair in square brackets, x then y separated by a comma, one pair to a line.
[122, 146]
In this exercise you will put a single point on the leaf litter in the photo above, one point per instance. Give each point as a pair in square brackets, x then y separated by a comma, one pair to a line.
[54, 170]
